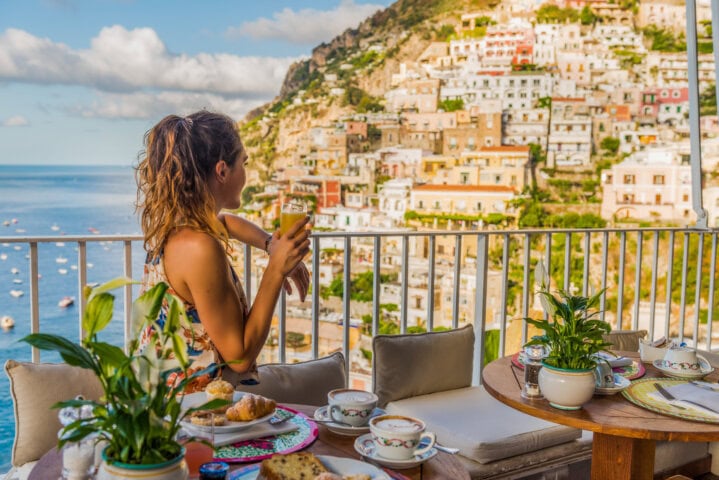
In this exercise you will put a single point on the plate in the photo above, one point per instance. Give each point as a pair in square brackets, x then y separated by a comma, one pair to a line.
[323, 415]
[620, 383]
[196, 399]
[365, 446]
[254, 450]
[641, 393]
[339, 465]
[663, 366]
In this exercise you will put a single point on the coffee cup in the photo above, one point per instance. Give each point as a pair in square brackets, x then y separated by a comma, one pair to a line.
[353, 407]
[684, 359]
[397, 436]
[603, 375]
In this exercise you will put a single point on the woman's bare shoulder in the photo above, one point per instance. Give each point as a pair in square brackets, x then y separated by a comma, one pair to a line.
[193, 245]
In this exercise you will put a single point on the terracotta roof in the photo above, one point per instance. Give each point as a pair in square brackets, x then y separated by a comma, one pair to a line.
[567, 99]
[505, 148]
[464, 188]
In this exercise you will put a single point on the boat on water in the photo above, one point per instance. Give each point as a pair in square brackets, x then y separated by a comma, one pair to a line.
[20, 230]
[62, 271]
[3, 256]
[14, 271]
[17, 247]
[90, 265]
[61, 259]
[54, 227]
[66, 302]
[7, 322]
[93, 230]
[59, 244]
[6, 223]
[16, 281]
[17, 293]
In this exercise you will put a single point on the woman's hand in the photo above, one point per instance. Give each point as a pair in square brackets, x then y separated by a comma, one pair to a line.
[286, 254]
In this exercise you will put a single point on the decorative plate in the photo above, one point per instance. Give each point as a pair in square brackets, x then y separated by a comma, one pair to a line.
[365, 446]
[620, 383]
[665, 367]
[323, 414]
[642, 393]
[199, 398]
[261, 448]
[339, 465]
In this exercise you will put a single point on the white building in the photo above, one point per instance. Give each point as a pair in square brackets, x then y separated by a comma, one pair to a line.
[393, 196]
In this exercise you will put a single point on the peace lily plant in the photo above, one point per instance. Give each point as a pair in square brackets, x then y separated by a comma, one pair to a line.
[573, 336]
[573, 332]
[139, 415]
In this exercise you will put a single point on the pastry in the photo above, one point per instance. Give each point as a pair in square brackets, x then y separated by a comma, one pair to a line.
[206, 419]
[250, 407]
[219, 389]
[328, 476]
[292, 466]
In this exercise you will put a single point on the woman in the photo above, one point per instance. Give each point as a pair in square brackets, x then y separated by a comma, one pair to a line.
[192, 168]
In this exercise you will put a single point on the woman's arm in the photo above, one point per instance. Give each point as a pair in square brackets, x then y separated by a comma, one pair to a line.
[197, 268]
[247, 232]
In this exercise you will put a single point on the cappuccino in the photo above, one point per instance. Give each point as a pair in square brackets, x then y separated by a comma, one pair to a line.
[353, 407]
[399, 424]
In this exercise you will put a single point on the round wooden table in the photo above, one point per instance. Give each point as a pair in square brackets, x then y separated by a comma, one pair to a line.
[624, 434]
[441, 467]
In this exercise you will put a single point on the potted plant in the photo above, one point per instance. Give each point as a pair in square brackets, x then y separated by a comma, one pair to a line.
[573, 338]
[139, 415]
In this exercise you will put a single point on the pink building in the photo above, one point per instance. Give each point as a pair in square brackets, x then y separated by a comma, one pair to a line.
[666, 104]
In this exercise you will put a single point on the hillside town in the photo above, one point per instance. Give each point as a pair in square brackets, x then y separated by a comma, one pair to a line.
[573, 105]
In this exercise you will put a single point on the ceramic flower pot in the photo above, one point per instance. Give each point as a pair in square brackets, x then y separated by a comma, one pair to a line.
[175, 469]
[566, 389]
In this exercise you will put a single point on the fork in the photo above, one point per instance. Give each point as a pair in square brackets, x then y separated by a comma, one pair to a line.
[276, 420]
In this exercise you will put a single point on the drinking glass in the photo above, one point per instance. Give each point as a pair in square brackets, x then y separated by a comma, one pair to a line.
[292, 212]
[532, 356]
[197, 452]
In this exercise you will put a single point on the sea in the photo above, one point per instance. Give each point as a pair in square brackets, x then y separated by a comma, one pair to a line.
[58, 201]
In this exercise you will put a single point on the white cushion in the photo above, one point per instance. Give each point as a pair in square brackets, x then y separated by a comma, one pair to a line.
[484, 429]
[20, 473]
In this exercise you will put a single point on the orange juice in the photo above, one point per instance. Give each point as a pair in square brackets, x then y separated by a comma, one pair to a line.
[287, 219]
[196, 454]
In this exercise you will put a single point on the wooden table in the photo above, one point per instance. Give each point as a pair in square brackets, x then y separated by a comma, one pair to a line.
[441, 467]
[624, 434]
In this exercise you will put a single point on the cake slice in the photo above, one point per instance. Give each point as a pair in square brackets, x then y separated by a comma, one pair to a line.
[292, 466]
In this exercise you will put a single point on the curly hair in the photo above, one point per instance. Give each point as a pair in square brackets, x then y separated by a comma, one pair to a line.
[174, 171]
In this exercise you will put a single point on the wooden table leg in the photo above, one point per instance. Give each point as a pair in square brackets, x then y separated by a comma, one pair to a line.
[622, 458]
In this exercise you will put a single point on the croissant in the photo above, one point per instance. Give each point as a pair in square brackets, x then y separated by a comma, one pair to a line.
[250, 407]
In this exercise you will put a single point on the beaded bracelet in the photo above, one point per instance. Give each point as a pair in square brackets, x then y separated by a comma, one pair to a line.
[268, 240]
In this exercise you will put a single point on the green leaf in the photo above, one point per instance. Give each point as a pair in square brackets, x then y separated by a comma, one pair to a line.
[111, 285]
[147, 307]
[111, 354]
[98, 313]
[72, 353]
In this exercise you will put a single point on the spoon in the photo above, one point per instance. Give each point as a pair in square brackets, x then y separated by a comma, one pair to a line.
[333, 422]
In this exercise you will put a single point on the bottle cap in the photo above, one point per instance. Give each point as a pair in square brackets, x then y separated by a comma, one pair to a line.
[214, 471]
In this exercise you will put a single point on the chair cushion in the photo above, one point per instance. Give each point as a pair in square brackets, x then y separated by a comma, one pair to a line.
[484, 429]
[35, 387]
[304, 382]
[419, 364]
[625, 340]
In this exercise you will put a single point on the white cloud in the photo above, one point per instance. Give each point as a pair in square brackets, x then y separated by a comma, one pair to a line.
[308, 26]
[15, 121]
[156, 105]
[121, 60]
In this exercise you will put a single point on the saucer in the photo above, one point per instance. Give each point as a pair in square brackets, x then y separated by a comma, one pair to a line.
[323, 415]
[665, 367]
[620, 383]
[365, 446]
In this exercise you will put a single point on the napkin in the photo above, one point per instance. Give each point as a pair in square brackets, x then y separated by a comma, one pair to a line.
[260, 430]
[620, 361]
[693, 397]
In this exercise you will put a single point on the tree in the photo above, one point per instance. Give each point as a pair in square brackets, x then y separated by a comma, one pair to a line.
[587, 16]
[451, 105]
[610, 144]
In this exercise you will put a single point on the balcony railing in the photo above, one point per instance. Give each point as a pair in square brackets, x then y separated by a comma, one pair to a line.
[658, 279]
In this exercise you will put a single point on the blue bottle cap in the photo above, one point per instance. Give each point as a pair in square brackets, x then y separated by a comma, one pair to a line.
[214, 471]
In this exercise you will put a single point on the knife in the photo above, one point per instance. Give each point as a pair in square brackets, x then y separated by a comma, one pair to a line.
[671, 398]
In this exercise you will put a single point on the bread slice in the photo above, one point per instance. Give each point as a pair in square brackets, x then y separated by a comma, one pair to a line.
[292, 466]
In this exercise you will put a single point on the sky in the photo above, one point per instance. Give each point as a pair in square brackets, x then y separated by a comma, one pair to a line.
[81, 81]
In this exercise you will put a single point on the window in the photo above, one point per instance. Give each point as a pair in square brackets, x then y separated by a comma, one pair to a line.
[436, 204]
[675, 94]
[463, 178]
[685, 197]
[658, 180]
[420, 204]
[629, 180]
[609, 179]
[497, 179]
[479, 205]
[628, 198]
[657, 199]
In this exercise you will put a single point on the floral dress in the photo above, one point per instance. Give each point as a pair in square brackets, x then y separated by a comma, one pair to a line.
[201, 351]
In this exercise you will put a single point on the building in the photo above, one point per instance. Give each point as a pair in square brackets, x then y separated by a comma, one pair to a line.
[652, 185]
[570, 133]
